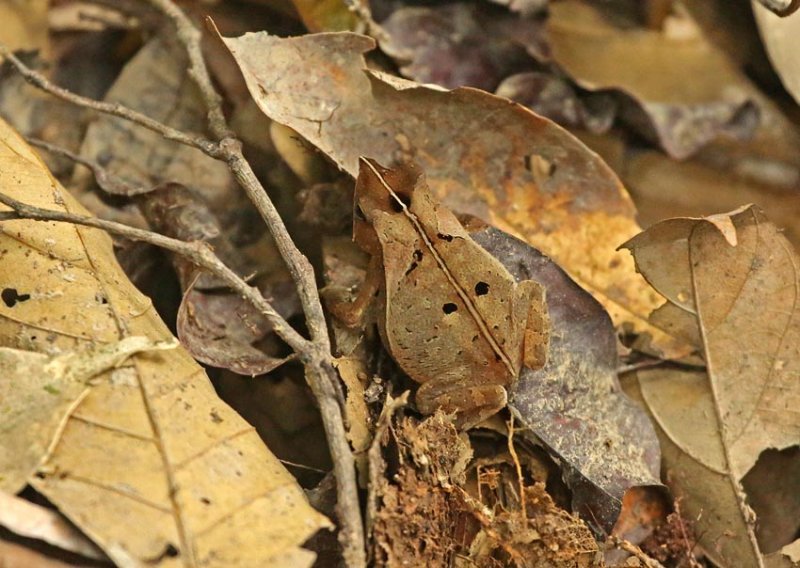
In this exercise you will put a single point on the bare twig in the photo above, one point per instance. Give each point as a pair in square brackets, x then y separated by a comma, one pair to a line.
[40, 81]
[630, 548]
[197, 251]
[375, 459]
[110, 183]
[320, 374]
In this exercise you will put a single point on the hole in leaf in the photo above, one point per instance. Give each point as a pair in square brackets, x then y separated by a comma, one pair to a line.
[449, 308]
[170, 551]
[481, 288]
[11, 297]
[417, 255]
[444, 237]
[411, 268]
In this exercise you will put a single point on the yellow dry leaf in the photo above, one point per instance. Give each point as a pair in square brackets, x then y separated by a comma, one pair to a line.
[24, 24]
[151, 464]
[36, 393]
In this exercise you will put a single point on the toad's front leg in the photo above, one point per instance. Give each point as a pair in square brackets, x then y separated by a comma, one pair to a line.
[472, 404]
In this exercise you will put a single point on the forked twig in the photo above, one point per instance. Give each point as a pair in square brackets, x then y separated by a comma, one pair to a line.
[198, 252]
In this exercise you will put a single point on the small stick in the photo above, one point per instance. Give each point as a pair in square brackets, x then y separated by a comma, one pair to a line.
[197, 251]
[110, 183]
[40, 81]
[629, 547]
[320, 374]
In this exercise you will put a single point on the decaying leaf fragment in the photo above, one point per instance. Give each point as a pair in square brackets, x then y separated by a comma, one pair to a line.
[153, 444]
[738, 277]
[481, 154]
[779, 36]
[154, 83]
[426, 517]
[25, 519]
[461, 44]
[573, 405]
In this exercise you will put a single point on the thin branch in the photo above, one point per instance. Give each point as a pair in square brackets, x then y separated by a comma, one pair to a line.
[196, 251]
[38, 80]
[300, 268]
[190, 37]
[108, 182]
[632, 549]
[320, 374]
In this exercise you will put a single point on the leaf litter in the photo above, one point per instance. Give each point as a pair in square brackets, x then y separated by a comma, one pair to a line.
[499, 493]
[147, 444]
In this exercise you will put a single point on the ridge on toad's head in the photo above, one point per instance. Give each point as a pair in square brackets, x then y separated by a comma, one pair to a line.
[388, 190]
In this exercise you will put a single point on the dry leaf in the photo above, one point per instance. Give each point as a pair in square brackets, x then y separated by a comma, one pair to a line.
[353, 372]
[780, 39]
[461, 44]
[664, 188]
[37, 391]
[25, 519]
[326, 15]
[482, 156]
[680, 114]
[553, 97]
[24, 24]
[215, 324]
[154, 82]
[738, 276]
[17, 556]
[604, 442]
[153, 445]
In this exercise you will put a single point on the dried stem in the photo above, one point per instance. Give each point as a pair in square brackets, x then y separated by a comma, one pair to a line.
[198, 252]
[108, 182]
[40, 81]
[634, 550]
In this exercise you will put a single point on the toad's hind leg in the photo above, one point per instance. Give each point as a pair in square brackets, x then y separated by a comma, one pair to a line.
[471, 404]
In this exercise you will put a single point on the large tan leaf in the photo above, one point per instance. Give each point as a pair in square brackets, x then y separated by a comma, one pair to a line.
[482, 155]
[738, 276]
[151, 465]
[36, 393]
[24, 24]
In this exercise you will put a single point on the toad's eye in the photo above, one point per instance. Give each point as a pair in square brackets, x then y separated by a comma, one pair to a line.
[358, 213]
